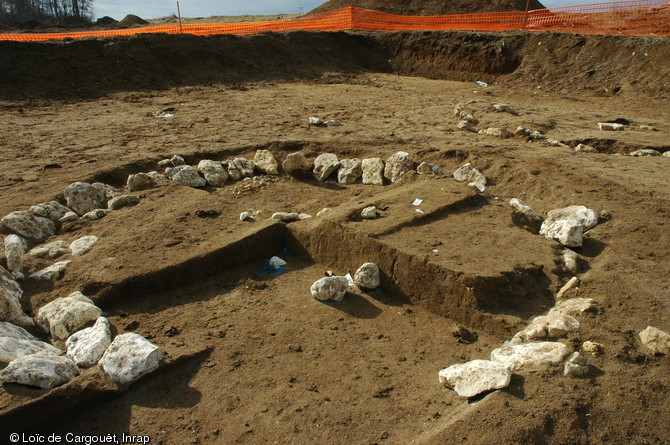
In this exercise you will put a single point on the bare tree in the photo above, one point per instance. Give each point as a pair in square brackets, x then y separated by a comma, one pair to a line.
[23, 10]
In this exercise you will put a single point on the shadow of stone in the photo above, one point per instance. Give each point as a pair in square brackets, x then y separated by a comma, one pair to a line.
[356, 306]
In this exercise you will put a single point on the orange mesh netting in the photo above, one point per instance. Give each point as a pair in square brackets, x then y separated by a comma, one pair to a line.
[634, 18]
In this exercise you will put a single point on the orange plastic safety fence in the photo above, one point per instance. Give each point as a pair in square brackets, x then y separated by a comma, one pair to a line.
[638, 17]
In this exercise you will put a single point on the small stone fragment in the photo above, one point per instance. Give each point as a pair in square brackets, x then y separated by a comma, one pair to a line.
[10, 300]
[214, 173]
[65, 316]
[86, 347]
[96, 214]
[373, 171]
[265, 162]
[524, 356]
[571, 261]
[244, 216]
[31, 227]
[13, 348]
[552, 325]
[324, 165]
[591, 346]
[505, 108]
[304, 216]
[497, 132]
[397, 165]
[330, 288]
[140, 181]
[656, 340]
[586, 148]
[323, 211]
[467, 126]
[607, 126]
[68, 217]
[525, 217]
[82, 197]
[576, 365]
[122, 201]
[645, 152]
[473, 177]
[15, 251]
[667, 154]
[571, 284]
[367, 276]
[40, 371]
[83, 245]
[350, 171]
[369, 212]
[475, 377]
[315, 121]
[286, 216]
[10, 330]
[568, 232]
[53, 272]
[574, 306]
[129, 357]
[188, 176]
[109, 191]
[52, 210]
[296, 162]
[177, 160]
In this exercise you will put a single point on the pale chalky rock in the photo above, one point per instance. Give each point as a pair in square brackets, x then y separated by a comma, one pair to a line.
[330, 288]
[459, 112]
[164, 163]
[157, 177]
[213, 171]
[584, 215]
[583, 148]
[504, 108]
[177, 160]
[233, 170]
[83, 245]
[31, 227]
[369, 212]
[574, 306]
[68, 217]
[645, 152]
[567, 232]
[367, 276]
[296, 162]
[656, 340]
[82, 197]
[109, 191]
[52, 210]
[265, 162]
[244, 166]
[467, 126]
[571, 284]
[40, 371]
[428, 169]
[576, 365]
[86, 347]
[324, 165]
[373, 171]
[571, 261]
[189, 177]
[10, 300]
[140, 181]
[171, 172]
[95, 214]
[475, 377]
[245, 215]
[304, 216]
[667, 154]
[397, 165]
[122, 201]
[556, 143]
[497, 132]
[540, 355]
[53, 272]
[15, 251]
[607, 126]
[323, 211]
[50, 250]
[470, 175]
[13, 348]
[130, 357]
[553, 325]
[65, 316]
[525, 217]
[286, 216]
[591, 346]
[350, 171]
[10, 330]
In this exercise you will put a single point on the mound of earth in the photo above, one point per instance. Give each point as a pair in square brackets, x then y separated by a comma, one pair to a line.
[133, 20]
[106, 20]
[434, 7]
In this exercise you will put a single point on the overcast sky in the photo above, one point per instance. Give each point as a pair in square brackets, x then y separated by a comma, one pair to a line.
[148, 9]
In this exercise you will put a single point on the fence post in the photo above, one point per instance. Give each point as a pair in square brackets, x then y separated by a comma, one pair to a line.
[181, 31]
[525, 15]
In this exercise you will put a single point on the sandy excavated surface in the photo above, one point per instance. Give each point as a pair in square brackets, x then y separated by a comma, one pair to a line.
[257, 360]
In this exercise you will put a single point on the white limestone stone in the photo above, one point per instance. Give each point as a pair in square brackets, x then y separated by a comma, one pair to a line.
[656, 340]
[53, 272]
[86, 347]
[574, 306]
[467, 126]
[475, 377]
[109, 191]
[52, 210]
[122, 201]
[82, 197]
[369, 212]
[177, 160]
[576, 365]
[245, 166]
[65, 316]
[591, 346]
[397, 165]
[583, 148]
[373, 171]
[552, 325]
[524, 216]
[497, 132]
[96, 214]
[68, 217]
[40, 371]
[296, 162]
[537, 355]
[13, 348]
[645, 152]
[188, 176]
[15, 251]
[28, 226]
[350, 171]
[571, 261]
[330, 288]
[214, 173]
[286, 216]
[83, 245]
[265, 162]
[10, 300]
[567, 232]
[470, 175]
[50, 250]
[10, 330]
[324, 165]
[129, 357]
[140, 181]
[367, 276]
[581, 214]
[607, 126]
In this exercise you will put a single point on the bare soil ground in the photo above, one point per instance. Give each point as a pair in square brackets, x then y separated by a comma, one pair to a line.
[252, 359]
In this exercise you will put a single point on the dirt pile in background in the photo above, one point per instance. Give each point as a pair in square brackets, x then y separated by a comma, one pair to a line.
[132, 20]
[433, 7]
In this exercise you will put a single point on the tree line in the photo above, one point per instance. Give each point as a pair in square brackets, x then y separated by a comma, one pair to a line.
[24, 10]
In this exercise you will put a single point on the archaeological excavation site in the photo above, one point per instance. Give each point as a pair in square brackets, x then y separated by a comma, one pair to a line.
[336, 237]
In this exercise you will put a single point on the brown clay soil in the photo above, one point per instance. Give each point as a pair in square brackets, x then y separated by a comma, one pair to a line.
[423, 7]
[253, 359]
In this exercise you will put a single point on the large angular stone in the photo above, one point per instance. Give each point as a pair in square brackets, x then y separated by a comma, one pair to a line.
[82, 197]
[568, 232]
[397, 165]
[40, 371]
[65, 316]
[10, 300]
[86, 347]
[265, 162]
[12, 331]
[475, 377]
[50, 250]
[581, 214]
[213, 171]
[367, 276]
[129, 357]
[296, 162]
[574, 306]
[13, 348]
[552, 325]
[15, 251]
[656, 340]
[350, 171]
[31, 227]
[140, 181]
[470, 175]
[52, 210]
[83, 245]
[53, 272]
[576, 365]
[109, 191]
[122, 201]
[525, 217]
[240, 168]
[373, 171]
[497, 132]
[538, 355]
[330, 288]
[186, 175]
[324, 165]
